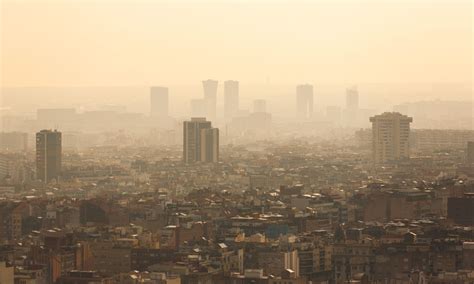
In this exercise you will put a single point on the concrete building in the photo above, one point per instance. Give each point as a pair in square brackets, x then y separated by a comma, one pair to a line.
[48, 155]
[352, 98]
[210, 145]
[200, 141]
[210, 97]
[460, 209]
[390, 132]
[159, 101]
[304, 101]
[231, 98]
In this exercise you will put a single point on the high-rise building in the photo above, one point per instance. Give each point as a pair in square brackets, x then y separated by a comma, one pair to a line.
[259, 106]
[470, 152]
[210, 97]
[351, 113]
[48, 155]
[159, 101]
[210, 145]
[352, 98]
[200, 141]
[231, 98]
[304, 101]
[390, 137]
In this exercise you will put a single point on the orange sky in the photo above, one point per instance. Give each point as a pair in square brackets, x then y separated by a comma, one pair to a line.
[79, 43]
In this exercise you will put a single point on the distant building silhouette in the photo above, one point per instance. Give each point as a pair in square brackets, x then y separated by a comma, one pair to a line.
[210, 97]
[231, 98]
[390, 132]
[352, 98]
[159, 101]
[351, 113]
[259, 106]
[200, 141]
[304, 101]
[48, 155]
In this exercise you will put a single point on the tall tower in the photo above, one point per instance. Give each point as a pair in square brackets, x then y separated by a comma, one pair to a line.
[304, 101]
[192, 132]
[159, 101]
[352, 106]
[390, 137]
[48, 155]
[231, 98]
[210, 97]
[352, 98]
[210, 145]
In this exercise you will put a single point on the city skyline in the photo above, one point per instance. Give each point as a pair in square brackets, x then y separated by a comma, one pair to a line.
[236, 142]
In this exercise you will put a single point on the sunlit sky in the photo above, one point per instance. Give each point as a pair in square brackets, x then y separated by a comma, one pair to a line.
[92, 43]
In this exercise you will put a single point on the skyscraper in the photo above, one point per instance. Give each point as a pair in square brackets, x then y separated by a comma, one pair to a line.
[159, 101]
[231, 98]
[210, 145]
[200, 141]
[390, 137]
[352, 98]
[304, 101]
[351, 112]
[470, 152]
[259, 106]
[48, 155]
[210, 97]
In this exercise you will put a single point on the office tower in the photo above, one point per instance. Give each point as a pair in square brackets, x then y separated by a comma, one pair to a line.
[159, 101]
[351, 112]
[304, 101]
[198, 108]
[352, 98]
[209, 145]
[259, 106]
[470, 152]
[48, 155]
[231, 98]
[390, 137]
[193, 149]
[210, 97]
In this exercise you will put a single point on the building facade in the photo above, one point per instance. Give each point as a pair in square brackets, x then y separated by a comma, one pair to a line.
[231, 98]
[304, 101]
[200, 141]
[210, 97]
[48, 155]
[390, 137]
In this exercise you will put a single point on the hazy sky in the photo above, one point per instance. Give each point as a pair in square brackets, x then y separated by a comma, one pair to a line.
[105, 42]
